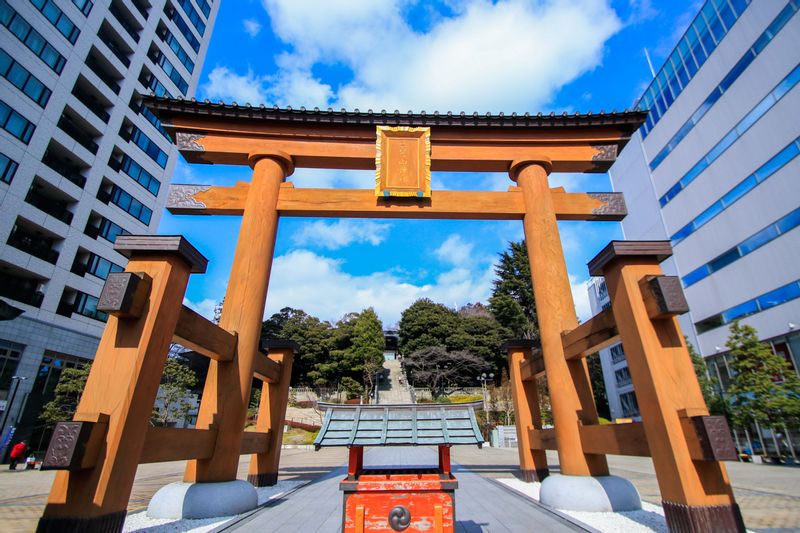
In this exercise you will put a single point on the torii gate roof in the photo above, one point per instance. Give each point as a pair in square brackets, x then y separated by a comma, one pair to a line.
[207, 132]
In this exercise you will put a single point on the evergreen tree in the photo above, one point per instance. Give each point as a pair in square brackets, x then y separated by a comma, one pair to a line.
[367, 348]
[426, 324]
[765, 388]
[313, 337]
[708, 385]
[512, 302]
[174, 393]
[67, 394]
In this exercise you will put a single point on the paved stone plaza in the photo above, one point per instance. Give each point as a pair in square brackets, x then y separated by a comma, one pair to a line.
[768, 495]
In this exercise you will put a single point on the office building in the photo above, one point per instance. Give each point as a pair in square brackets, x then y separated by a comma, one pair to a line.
[81, 161]
[714, 170]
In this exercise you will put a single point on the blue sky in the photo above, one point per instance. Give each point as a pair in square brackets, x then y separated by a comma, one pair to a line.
[475, 55]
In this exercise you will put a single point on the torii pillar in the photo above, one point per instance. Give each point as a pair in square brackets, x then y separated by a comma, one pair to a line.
[581, 485]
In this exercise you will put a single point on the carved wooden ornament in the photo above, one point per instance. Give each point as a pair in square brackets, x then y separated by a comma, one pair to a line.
[403, 162]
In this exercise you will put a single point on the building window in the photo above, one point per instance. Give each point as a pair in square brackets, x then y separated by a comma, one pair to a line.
[788, 292]
[23, 80]
[15, 124]
[617, 353]
[10, 353]
[129, 204]
[752, 243]
[777, 162]
[772, 30]
[622, 376]
[182, 26]
[194, 16]
[630, 407]
[701, 38]
[58, 19]
[30, 37]
[105, 229]
[176, 47]
[767, 103]
[135, 171]
[158, 57]
[84, 6]
[8, 167]
[101, 267]
[204, 7]
[86, 305]
[150, 148]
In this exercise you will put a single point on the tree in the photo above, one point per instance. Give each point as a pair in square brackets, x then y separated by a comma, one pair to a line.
[436, 368]
[598, 386]
[708, 385]
[67, 394]
[426, 324]
[512, 301]
[367, 348]
[765, 389]
[313, 337]
[174, 394]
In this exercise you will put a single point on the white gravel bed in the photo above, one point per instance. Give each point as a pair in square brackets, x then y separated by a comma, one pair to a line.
[139, 521]
[650, 518]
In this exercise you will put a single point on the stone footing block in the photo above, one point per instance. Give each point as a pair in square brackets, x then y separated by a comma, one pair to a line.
[203, 500]
[587, 493]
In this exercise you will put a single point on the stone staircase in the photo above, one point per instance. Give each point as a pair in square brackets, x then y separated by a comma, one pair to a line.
[391, 390]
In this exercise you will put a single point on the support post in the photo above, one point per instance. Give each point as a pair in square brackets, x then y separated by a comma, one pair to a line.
[271, 415]
[696, 494]
[572, 401]
[525, 394]
[122, 388]
[227, 390]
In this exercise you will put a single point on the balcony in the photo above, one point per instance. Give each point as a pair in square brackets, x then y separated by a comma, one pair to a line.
[39, 197]
[92, 99]
[20, 289]
[115, 43]
[143, 7]
[103, 69]
[56, 158]
[79, 130]
[125, 19]
[32, 243]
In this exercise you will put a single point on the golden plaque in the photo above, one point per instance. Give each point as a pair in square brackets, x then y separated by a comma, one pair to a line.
[403, 162]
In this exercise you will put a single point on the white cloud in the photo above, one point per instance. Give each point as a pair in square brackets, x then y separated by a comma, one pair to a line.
[510, 55]
[455, 251]
[335, 235]
[204, 307]
[252, 27]
[320, 286]
[580, 295]
[228, 86]
[329, 178]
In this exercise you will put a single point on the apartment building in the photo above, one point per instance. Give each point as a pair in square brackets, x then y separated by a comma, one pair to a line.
[81, 162]
[715, 170]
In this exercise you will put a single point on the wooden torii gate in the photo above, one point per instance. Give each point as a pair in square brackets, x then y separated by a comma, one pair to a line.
[100, 450]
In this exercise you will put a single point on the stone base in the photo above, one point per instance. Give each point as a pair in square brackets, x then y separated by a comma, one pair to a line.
[699, 518]
[203, 500]
[263, 480]
[107, 523]
[529, 476]
[586, 493]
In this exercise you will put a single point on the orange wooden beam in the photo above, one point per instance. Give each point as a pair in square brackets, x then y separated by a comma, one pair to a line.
[267, 369]
[362, 203]
[203, 336]
[595, 334]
